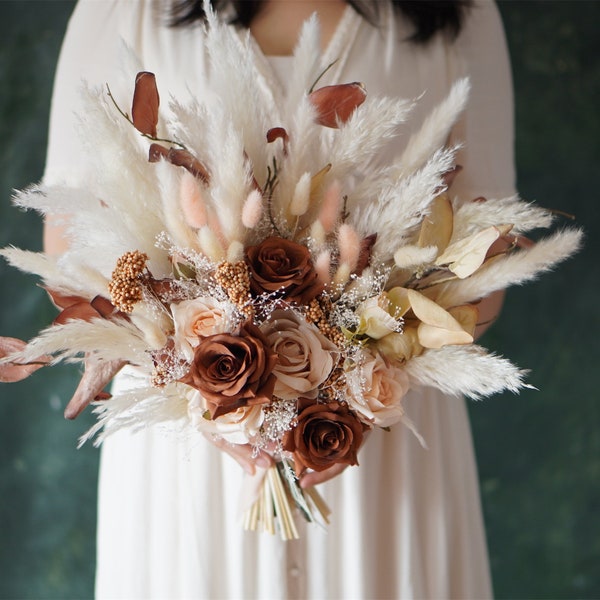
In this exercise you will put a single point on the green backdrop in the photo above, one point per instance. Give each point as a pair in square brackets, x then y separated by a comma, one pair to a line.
[538, 453]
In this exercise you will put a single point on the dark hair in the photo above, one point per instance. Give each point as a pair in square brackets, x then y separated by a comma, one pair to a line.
[427, 16]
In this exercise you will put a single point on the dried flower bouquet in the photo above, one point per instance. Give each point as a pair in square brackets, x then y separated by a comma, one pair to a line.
[276, 286]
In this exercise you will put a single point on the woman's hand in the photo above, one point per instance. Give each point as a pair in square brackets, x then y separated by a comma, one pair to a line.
[312, 478]
[244, 454]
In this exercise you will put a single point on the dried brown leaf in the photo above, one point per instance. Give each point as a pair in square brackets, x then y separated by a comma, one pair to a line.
[11, 372]
[364, 256]
[144, 108]
[179, 158]
[336, 103]
[97, 374]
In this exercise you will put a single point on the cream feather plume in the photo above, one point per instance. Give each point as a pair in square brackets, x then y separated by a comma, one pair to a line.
[137, 409]
[470, 217]
[360, 140]
[106, 339]
[516, 268]
[435, 130]
[401, 208]
[468, 370]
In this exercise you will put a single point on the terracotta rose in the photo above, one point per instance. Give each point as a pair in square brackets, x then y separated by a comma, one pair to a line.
[325, 434]
[231, 371]
[280, 265]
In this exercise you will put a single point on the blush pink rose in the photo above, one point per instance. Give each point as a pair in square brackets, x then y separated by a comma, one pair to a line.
[376, 391]
[196, 319]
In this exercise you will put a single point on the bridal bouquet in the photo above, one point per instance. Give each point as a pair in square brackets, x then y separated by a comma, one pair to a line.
[276, 285]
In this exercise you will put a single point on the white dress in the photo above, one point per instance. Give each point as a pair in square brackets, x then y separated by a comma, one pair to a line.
[405, 524]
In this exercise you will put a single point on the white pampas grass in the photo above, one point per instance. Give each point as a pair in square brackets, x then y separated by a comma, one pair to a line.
[515, 268]
[470, 217]
[42, 265]
[137, 409]
[435, 130]
[400, 208]
[468, 370]
[306, 64]
[106, 339]
[360, 140]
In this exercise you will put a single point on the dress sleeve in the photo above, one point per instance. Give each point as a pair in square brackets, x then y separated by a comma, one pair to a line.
[487, 127]
[90, 52]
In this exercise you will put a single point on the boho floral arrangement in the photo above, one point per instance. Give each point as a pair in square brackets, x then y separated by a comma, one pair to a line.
[276, 286]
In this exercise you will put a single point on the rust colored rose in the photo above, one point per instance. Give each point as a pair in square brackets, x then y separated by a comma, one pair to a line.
[280, 265]
[325, 435]
[232, 371]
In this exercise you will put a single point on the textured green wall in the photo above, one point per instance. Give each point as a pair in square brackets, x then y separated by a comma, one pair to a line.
[539, 453]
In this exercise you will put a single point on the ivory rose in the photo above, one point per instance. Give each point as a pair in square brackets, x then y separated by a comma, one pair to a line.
[232, 371]
[325, 434]
[305, 356]
[377, 390]
[195, 319]
[375, 320]
[239, 426]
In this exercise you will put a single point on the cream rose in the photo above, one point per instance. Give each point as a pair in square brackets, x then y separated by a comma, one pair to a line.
[376, 390]
[305, 356]
[375, 320]
[195, 319]
[240, 426]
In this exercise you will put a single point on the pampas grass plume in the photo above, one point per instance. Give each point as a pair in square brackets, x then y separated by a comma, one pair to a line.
[192, 202]
[349, 245]
[252, 210]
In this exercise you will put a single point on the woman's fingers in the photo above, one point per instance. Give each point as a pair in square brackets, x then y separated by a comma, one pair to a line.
[315, 477]
[244, 454]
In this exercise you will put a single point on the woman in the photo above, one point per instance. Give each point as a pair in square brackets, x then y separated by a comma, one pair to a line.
[407, 523]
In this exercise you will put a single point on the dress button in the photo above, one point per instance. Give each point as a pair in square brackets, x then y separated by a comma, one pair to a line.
[294, 571]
